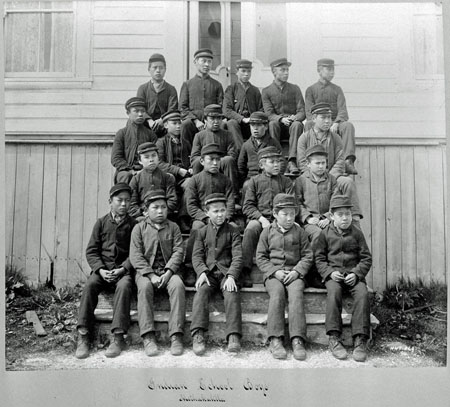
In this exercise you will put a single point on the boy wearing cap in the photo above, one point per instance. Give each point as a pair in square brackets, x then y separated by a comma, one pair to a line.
[284, 104]
[160, 96]
[124, 155]
[149, 178]
[197, 93]
[325, 91]
[240, 101]
[107, 255]
[156, 252]
[217, 261]
[332, 143]
[258, 203]
[285, 256]
[343, 261]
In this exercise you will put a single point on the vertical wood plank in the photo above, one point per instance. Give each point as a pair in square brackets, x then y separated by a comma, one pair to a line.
[377, 186]
[444, 162]
[393, 215]
[62, 214]
[34, 205]
[10, 192]
[423, 237]
[408, 213]
[104, 180]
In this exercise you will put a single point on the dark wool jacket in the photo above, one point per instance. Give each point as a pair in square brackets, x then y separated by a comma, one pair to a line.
[165, 154]
[109, 245]
[124, 150]
[196, 94]
[160, 102]
[219, 248]
[235, 98]
[281, 102]
[345, 253]
[283, 251]
[144, 244]
[221, 137]
[145, 181]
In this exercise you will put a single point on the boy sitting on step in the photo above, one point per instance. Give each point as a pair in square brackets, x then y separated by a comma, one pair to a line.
[343, 260]
[217, 261]
[285, 256]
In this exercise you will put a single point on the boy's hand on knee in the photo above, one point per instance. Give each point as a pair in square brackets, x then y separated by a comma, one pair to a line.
[199, 124]
[334, 127]
[154, 279]
[312, 220]
[264, 222]
[164, 279]
[337, 276]
[351, 279]
[323, 223]
[280, 275]
[230, 284]
[106, 275]
[201, 280]
[290, 277]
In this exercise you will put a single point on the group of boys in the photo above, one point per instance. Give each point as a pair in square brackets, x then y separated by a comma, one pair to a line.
[190, 165]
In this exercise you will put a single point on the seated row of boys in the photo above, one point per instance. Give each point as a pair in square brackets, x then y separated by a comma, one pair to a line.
[151, 252]
[282, 102]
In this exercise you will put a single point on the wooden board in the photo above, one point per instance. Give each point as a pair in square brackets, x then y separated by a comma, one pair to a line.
[10, 192]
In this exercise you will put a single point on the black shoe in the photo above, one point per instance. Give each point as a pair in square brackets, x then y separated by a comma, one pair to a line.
[292, 169]
[176, 345]
[150, 346]
[234, 343]
[298, 348]
[336, 347]
[360, 348]
[82, 351]
[350, 167]
[277, 349]
[198, 343]
[116, 346]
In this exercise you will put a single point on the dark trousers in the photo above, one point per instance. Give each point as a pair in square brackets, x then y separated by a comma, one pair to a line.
[123, 176]
[277, 304]
[145, 293]
[122, 300]
[188, 130]
[278, 131]
[250, 241]
[239, 131]
[232, 302]
[361, 307]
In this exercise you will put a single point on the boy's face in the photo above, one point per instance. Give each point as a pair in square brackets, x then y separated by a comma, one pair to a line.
[136, 114]
[326, 72]
[120, 203]
[173, 127]
[203, 65]
[342, 217]
[211, 163]
[317, 164]
[213, 122]
[157, 70]
[244, 74]
[271, 165]
[149, 159]
[216, 212]
[281, 73]
[285, 217]
[157, 211]
[322, 121]
[258, 130]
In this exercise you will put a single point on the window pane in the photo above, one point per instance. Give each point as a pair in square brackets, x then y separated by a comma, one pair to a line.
[210, 29]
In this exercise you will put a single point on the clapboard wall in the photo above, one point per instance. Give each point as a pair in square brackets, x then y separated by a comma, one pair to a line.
[55, 191]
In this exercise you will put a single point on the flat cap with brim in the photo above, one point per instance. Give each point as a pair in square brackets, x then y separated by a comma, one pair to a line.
[244, 63]
[317, 149]
[321, 108]
[213, 111]
[203, 53]
[118, 188]
[211, 148]
[280, 62]
[154, 195]
[216, 197]
[258, 117]
[173, 115]
[340, 201]
[135, 101]
[284, 201]
[146, 147]
[268, 152]
[325, 62]
[157, 58]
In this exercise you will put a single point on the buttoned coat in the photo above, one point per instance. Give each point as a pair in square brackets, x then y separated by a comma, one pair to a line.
[158, 103]
[236, 97]
[283, 101]
[165, 153]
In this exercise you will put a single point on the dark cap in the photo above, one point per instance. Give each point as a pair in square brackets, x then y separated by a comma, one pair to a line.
[318, 149]
[146, 147]
[213, 111]
[258, 117]
[284, 201]
[244, 63]
[157, 58]
[216, 197]
[203, 52]
[119, 187]
[340, 201]
[321, 108]
[172, 115]
[325, 62]
[154, 195]
[267, 152]
[211, 148]
[279, 62]
[133, 102]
